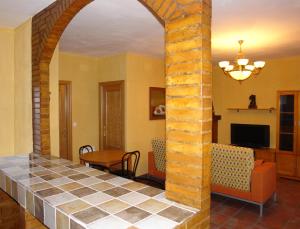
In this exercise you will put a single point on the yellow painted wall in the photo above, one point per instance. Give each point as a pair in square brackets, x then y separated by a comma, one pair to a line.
[142, 72]
[138, 72]
[7, 92]
[54, 105]
[83, 72]
[279, 74]
[23, 101]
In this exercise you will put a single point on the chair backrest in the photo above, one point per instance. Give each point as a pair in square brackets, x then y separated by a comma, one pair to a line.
[130, 159]
[232, 166]
[85, 149]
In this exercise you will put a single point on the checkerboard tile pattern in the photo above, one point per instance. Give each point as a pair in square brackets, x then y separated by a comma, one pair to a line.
[62, 194]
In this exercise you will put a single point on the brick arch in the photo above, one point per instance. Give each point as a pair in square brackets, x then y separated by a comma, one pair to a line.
[188, 82]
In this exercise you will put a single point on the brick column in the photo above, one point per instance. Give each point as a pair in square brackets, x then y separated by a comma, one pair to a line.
[189, 102]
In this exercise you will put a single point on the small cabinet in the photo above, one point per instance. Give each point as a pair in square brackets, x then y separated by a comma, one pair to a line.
[288, 147]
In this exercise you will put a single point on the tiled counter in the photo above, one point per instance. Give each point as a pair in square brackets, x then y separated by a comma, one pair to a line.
[66, 195]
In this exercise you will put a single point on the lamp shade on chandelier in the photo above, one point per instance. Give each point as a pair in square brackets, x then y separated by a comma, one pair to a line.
[242, 69]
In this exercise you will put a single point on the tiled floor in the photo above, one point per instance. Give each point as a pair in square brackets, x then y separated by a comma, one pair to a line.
[285, 213]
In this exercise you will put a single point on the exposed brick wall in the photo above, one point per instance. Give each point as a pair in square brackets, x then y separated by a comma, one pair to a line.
[188, 76]
[47, 27]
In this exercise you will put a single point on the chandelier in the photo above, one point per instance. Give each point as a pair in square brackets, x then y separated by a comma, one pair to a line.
[241, 69]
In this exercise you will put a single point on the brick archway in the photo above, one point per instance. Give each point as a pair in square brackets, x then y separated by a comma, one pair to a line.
[188, 81]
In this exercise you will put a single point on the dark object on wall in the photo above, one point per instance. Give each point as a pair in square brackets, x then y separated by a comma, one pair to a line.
[249, 135]
[252, 104]
[157, 103]
[215, 121]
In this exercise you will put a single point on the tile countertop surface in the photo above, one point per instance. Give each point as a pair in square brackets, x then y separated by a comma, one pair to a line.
[66, 195]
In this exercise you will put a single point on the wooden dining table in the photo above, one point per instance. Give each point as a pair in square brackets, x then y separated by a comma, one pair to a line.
[106, 158]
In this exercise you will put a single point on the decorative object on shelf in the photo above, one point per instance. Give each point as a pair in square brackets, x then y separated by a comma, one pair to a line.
[241, 70]
[157, 103]
[252, 104]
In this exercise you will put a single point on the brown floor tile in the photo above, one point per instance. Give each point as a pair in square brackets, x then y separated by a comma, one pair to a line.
[81, 192]
[150, 191]
[153, 206]
[134, 186]
[133, 214]
[102, 186]
[70, 186]
[74, 225]
[51, 166]
[49, 192]
[29, 202]
[175, 214]
[75, 166]
[68, 172]
[94, 173]
[50, 176]
[113, 206]
[40, 186]
[42, 173]
[78, 176]
[62, 221]
[73, 206]
[116, 192]
[90, 215]
[39, 209]
[107, 176]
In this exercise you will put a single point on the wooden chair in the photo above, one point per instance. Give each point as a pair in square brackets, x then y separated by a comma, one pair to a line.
[85, 149]
[129, 165]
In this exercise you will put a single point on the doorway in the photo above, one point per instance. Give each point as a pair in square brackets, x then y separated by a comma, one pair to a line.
[65, 120]
[111, 115]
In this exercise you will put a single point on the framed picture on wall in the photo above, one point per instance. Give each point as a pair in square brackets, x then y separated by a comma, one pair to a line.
[157, 103]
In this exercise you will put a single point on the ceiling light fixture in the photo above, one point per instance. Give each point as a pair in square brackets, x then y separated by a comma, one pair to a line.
[242, 69]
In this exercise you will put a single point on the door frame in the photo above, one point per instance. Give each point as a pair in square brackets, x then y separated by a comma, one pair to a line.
[69, 116]
[101, 110]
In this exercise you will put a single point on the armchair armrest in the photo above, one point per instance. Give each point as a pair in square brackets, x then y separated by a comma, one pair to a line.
[263, 182]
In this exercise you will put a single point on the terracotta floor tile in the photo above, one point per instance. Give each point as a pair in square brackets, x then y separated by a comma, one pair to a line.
[281, 214]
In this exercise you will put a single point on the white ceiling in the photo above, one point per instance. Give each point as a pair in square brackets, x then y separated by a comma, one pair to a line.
[270, 28]
[15, 12]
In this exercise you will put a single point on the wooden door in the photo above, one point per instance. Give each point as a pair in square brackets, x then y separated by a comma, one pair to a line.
[111, 115]
[65, 120]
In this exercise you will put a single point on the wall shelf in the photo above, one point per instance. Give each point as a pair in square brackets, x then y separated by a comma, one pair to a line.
[237, 109]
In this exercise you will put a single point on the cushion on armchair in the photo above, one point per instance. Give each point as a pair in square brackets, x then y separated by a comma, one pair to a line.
[159, 151]
[232, 166]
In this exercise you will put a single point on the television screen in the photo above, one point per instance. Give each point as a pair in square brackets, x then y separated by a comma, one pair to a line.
[248, 135]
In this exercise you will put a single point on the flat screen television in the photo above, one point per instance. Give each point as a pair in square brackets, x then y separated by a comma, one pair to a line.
[248, 135]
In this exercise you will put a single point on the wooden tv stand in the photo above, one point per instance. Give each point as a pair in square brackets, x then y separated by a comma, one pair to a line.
[266, 154]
